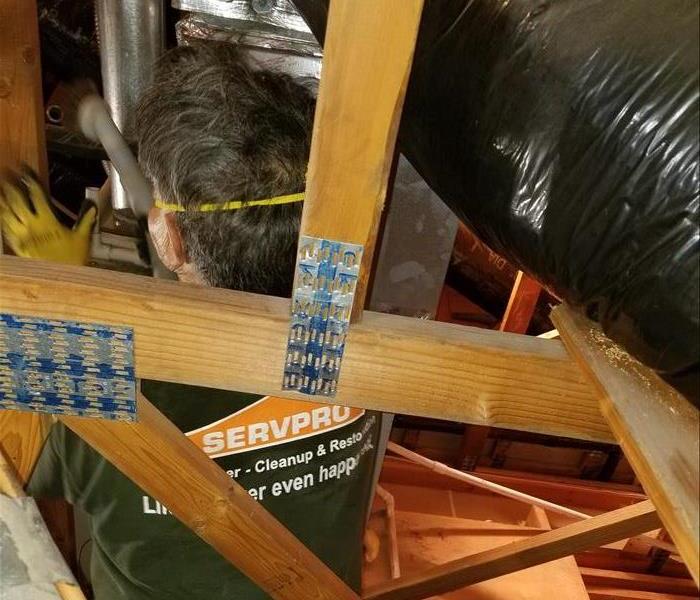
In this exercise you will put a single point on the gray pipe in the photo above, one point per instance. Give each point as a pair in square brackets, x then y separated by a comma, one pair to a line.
[132, 37]
[96, 123]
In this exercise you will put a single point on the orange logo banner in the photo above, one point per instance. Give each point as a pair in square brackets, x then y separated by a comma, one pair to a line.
[268, 422]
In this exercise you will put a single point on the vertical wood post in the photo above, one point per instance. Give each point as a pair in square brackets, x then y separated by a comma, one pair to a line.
[21, 102]
[22, 141]
[521, 304]
[367, 61]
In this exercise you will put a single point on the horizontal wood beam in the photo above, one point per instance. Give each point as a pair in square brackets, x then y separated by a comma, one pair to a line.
[612, 593]
[541, 548]
[572, 492]
[638, 581]
[236, 341]
[484, 484]
[655, 425]
[158, 457]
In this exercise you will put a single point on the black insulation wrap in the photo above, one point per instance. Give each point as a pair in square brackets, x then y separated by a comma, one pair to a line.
[566, 134]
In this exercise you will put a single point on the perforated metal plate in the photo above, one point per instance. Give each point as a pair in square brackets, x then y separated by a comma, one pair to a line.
[324, 290]
[65, 367]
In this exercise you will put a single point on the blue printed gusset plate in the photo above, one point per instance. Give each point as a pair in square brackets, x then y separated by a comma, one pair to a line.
[67, 368]
[324, 290]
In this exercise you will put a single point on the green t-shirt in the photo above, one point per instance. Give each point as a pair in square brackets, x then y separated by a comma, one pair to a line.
[309, 464]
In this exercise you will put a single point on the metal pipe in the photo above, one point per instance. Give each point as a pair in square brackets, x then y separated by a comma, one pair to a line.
[96, 123]
[132, 37]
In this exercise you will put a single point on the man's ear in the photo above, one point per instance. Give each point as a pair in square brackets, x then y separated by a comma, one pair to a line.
[166, 237]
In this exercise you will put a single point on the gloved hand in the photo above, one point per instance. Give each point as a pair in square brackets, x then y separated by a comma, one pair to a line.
[31, 229]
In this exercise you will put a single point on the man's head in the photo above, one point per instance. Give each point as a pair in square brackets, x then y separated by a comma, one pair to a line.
[211, 130]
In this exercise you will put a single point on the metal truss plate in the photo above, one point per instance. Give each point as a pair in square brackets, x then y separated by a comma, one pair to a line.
[324, 290]
[67, 368]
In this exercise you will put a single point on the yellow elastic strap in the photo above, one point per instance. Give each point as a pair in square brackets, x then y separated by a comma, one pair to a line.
[232, 204]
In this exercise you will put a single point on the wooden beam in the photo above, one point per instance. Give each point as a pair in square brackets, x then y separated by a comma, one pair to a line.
[10, 484]
[472, 447]
[638, 581]
[570, 492]
[22, 437]
[236, 341]
[21, 103]
[21, 142]
[612, 593]
[502, 490]
[521, 304]
[158, 457]
[427, 539]
[484, 484]
[551, 545]
[367, 60]
[656, 427]
[615, 559]
[516, 319]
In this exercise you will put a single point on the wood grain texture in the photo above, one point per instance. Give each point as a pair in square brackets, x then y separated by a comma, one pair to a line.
[158, 457]
[612, 593]
[21, 142]
[513, 557]
[537, 517]
[638, 581]
[521, 304]
[656, 427]
[593, 496]
[236, 341]
[22, 436]
[475, 504]
[501, 490]
[366, 64]
[611, 558]
[21, 105]
[9, 480]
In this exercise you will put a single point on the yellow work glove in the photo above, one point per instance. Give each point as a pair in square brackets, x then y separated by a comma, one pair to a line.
[31, 229]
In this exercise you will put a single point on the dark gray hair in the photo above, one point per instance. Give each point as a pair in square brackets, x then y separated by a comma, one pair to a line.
[210, 130]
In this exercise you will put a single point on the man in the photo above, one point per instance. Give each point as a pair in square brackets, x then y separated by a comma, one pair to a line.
[212, 131]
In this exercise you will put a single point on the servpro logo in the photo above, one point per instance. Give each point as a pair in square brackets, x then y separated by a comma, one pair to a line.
[268, 422]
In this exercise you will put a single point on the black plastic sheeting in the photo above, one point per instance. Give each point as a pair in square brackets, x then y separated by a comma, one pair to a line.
[565, 133]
